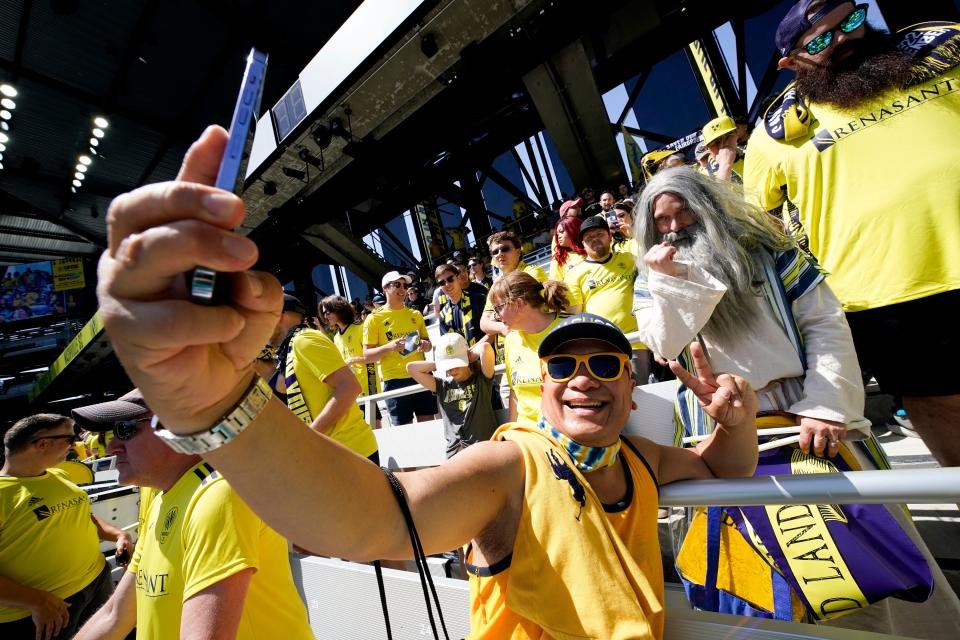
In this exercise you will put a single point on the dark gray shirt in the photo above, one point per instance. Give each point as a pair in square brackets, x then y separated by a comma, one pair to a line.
[466, 409]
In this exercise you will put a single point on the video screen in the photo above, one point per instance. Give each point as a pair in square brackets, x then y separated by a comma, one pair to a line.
[32, 290]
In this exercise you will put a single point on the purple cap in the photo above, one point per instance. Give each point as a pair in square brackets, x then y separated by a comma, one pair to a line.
[796, 23]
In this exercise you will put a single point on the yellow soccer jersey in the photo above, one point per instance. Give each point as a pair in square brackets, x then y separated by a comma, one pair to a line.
[628, 245]
[313, 358]
[47, 538]
[605, 288]
[199, 533]
[350, 345]
[384, 325]
[877, 188]
[557, 272]
[523, 370]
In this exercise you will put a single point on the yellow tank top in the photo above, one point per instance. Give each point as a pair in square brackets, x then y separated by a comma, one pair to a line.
[607, 577]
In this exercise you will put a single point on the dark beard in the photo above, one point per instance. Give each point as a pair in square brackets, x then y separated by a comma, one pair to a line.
[874, 66]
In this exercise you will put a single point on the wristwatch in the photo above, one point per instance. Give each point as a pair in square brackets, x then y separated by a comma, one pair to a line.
[247, 409]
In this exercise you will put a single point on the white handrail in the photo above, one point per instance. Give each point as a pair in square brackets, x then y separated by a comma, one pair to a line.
[901, 486]
[369, 402]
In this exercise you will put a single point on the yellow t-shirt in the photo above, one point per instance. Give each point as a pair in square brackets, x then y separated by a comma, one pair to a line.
[606, 289]
[523, 370]
[350, 345]
[47, 539]
[535, 271]
[92, 443]
[199, 533]
[877, 188]
[313, 358]
[384, 325]
[557, 272]
[628, 245]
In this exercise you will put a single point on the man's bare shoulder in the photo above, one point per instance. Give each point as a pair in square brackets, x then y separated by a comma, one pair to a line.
[492, 457]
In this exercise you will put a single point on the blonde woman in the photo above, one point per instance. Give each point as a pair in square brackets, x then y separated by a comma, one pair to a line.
[529, 309]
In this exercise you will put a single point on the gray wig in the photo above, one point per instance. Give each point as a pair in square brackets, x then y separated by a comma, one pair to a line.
[731, 230]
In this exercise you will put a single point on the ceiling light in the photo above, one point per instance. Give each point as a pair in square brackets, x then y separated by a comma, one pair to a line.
[37, 370]
[81, 168]
[8, 91]
[321, 135]
[73, 189]
[94, 142]
[77, 183]
[85, 160]
[101, 122]
[1, 165]
[4, 138]
[6, 115]
[310, 159]
[98, 133]
[8, 103]
[1, 156]
[4, 125]
[92, 151]
[79, 176]
[3, 147]
[296, 174]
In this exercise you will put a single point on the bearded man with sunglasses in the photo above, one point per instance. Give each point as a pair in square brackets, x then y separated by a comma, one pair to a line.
[52, 573]
[866, 144]
[205, 565]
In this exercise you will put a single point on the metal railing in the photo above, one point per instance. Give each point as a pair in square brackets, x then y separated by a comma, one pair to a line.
[901, 486]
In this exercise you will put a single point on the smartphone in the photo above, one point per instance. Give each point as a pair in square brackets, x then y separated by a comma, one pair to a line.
[202, 283]
[412, 343]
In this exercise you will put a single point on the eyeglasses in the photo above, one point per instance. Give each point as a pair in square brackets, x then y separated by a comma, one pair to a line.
[497, 251]
[70, 438]
[849, 24]
[126, 429]
[399, 285]
[446, 280]
[498, 308]
[605, 366]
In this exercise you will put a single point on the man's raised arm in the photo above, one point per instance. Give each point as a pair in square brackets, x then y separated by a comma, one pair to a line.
[192, 364]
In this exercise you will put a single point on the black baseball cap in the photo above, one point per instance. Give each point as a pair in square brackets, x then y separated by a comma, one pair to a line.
[100, 417]
[584, 326]
[292, 303]
[593, 222]
[796, 23]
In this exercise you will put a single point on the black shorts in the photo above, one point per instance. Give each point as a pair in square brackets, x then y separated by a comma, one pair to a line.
[83, 604]
[403, 409]
[911, 347]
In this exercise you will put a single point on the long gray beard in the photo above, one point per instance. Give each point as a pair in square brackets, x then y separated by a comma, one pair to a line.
[738, 306]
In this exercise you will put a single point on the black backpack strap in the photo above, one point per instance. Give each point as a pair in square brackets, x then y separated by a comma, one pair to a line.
[426, 580]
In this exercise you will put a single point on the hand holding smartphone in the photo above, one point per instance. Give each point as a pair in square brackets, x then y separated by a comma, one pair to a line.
[202, 283]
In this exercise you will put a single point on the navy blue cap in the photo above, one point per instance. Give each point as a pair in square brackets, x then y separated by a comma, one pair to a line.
[594, 222]
[584, 326]
[796, 23]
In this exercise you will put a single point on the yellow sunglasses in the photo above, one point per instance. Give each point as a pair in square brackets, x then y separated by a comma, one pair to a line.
[605, 366]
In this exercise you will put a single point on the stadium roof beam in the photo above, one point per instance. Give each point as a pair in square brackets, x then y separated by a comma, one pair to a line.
[566, 96]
